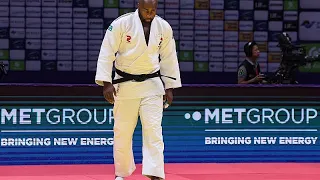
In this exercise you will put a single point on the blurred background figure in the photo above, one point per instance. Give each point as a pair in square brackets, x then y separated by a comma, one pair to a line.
[249, 70]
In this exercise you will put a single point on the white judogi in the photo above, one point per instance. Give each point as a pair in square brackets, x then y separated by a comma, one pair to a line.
[125, 36]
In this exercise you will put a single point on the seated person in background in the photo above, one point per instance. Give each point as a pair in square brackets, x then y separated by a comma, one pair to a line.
[249, 69]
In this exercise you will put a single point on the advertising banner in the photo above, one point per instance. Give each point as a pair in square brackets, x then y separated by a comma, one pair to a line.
[314, 4]
[79, 129]
[309, 26]
[59, 40]
[312, 50]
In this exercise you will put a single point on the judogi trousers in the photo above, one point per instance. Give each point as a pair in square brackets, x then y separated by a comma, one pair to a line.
[126, 112]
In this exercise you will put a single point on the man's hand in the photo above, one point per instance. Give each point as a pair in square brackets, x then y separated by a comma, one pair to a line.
[108, 92]
[259, 78]
[168, 96]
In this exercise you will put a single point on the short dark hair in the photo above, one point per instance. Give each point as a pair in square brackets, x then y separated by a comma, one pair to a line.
[248, 48]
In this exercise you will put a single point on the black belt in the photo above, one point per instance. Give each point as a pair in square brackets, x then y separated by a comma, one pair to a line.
[139, 78]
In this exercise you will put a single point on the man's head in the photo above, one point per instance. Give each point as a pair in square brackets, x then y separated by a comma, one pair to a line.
[251, 50]
[147, 10]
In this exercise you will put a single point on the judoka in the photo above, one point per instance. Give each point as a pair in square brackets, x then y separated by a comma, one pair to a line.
[142, 47]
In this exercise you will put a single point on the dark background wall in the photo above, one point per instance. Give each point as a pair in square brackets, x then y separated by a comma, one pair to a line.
[58, 41]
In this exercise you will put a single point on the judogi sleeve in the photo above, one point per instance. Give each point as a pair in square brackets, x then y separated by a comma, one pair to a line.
[108, 50]
[169, 65]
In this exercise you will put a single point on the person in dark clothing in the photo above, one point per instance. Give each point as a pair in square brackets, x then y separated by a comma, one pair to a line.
[249, 69]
